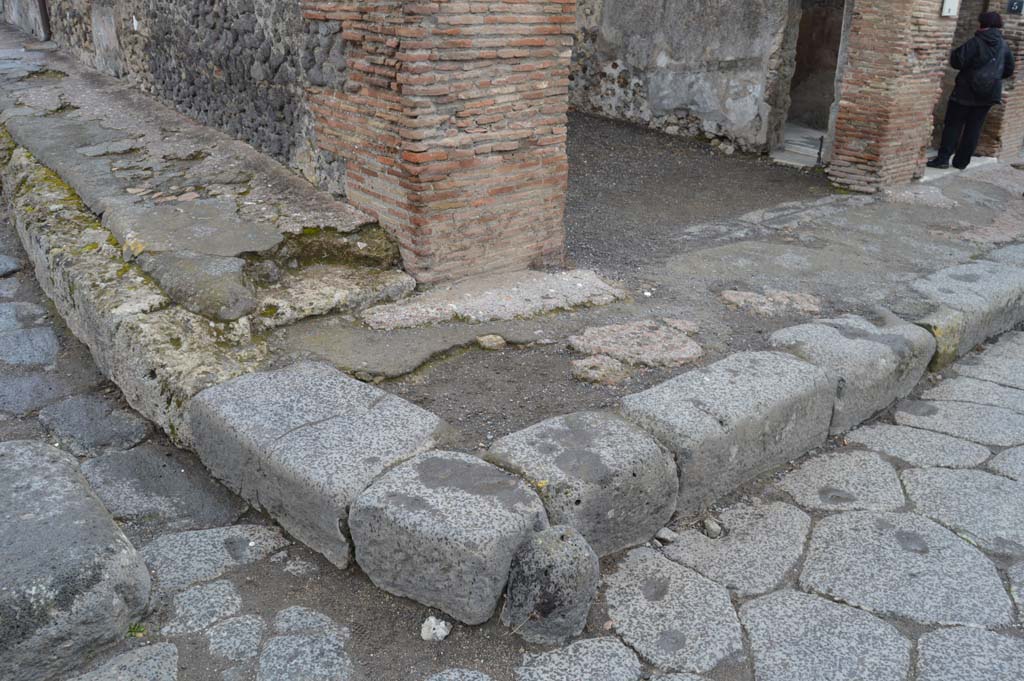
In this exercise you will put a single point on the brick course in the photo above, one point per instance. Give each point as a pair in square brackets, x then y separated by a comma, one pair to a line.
[453, 122]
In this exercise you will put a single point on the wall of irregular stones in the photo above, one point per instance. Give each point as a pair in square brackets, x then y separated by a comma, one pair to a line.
[715, 67]
[240, 65]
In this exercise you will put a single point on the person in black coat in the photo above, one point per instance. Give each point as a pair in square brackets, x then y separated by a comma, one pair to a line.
[983, 62]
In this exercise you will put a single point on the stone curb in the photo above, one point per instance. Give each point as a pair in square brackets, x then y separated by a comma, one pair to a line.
[307, 443]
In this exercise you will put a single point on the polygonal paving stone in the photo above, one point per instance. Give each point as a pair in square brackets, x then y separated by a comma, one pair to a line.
[986, 509]
[18, 315]
[155, 662]
[179, 560]
[35, 346]
[800, 637]
[875, 365]
[595, 659]
[596, 473]
[675, 618]
[761, 544]
[1003, 363]
[442, 529]
[308, 646]
[153, 488]
[1009, 463]
[979, 423]
[965, 389]
[649, 342]
[237, 638]
[898, 564]
[197, 608]
[86, 423]
[8, 265]
[967, 654]
[459, 675]
[846, 481]
[297, 619]
[920, 447]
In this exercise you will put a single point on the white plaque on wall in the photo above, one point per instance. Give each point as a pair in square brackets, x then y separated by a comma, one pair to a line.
[950, 8]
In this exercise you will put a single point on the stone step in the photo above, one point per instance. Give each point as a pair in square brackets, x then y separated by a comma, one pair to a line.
[71, 581]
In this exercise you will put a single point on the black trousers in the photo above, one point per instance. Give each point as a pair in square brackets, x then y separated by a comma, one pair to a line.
[961, 133]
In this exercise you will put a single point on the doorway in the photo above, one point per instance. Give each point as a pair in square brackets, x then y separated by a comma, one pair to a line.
[813, 86]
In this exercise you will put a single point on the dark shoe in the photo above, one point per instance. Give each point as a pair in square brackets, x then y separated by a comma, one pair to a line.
[959, 167]
[938, 163]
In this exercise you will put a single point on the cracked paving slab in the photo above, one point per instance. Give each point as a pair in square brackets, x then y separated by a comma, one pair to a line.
[845, 481]
[978, 423]
[967, 654]
[919, 447]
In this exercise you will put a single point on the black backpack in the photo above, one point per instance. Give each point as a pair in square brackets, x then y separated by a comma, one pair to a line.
[986, 78]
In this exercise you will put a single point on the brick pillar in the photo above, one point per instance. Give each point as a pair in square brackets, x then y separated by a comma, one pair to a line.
[897, 51]
[1003, 135]
[453, 125]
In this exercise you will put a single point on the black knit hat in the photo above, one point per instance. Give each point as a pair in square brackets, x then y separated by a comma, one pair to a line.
[990, 20]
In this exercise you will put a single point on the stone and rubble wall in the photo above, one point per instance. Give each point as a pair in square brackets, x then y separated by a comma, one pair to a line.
[240, 65]
[719, 68]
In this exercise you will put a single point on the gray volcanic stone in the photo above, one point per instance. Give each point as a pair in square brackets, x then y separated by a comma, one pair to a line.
[975, 422]
[735, 419]
[8, 265]
[594, 659]
[1016, 575]
[197, 608]
[551, 586]
[597, 473]
[1003, 363]
[237, 638]
[968, 654]
[1008, 255]
[35, 346]
[90, 422]
[1009, 463]
[920, 447]
[894, 564]
[309, 647]
[965, 389]
[986, 509]
[442, 529]
[675, 618]
[304, 442]
[459, 675]
[761, 545]
[70, 581]
[873, 365]
[9, 287]
[19, 315]
[212, 286]
[154, 487]
[800, 637]
[846, 481]
[182, 559]
[662, 343]
[990, 296]
[24, 393]
[155, 662]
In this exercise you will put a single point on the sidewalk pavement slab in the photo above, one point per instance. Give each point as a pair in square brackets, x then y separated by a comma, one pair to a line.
[952, 498]
[872, 365]
[968, 654]
[595, 659]
[70, 581]
[735, 419]
[675, 618]
[919, 447]
[845, 481]
[442, 529]
[983, 424]
[761, 544]
[801, 637]
[597, 473]
[921, 559]
[303, 442]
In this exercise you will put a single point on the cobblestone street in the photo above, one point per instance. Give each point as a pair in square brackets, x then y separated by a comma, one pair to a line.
[896, 554]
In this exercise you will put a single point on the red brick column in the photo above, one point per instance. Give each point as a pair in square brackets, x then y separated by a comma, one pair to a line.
[1004, 131]
[897, 51]
[453, 123]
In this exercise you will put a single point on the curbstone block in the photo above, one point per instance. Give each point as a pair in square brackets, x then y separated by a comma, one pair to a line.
[442, 529]
[551, 587]
[989, 295]
[597, 473]
[872, 366]
[70, 581]
[731, 421]
[303, 442]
